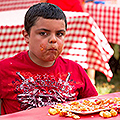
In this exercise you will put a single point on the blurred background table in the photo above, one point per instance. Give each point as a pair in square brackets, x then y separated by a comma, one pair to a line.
[7, 5]
[107, 17]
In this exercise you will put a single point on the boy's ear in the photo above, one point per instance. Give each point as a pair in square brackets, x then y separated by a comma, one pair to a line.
[25, 35]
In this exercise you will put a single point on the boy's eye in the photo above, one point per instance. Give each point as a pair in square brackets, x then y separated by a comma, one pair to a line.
[60, 34]
[43, 33]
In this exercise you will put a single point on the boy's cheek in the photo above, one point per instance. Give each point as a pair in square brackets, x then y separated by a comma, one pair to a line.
[42, 47]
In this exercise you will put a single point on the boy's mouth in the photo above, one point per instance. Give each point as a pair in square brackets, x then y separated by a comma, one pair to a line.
[53, 50]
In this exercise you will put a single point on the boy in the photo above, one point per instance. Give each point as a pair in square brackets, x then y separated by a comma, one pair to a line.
[40, 76]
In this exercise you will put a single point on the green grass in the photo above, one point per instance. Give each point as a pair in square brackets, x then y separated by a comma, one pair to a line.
[105, 87]
[102, 85]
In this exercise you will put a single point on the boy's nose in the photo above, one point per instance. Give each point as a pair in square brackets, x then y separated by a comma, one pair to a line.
[52, 39]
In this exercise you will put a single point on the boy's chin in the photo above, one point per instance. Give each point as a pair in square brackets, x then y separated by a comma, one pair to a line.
[52, 58]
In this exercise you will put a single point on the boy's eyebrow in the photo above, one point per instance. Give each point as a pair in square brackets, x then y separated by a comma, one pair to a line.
[43, 29]
[62, 30]
[49, 30]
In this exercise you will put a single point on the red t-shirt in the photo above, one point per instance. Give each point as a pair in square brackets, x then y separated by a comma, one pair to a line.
[68, 5]
[25, 85]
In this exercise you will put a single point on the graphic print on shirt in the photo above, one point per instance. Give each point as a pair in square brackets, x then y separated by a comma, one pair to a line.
[42, 90]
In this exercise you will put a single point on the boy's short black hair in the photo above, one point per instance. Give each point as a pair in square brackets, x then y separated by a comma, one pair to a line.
[44, 10]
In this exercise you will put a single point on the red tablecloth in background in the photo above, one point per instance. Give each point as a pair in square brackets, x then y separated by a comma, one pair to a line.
[107, 18]
[84, 42]
[42, 113]
[6, 5]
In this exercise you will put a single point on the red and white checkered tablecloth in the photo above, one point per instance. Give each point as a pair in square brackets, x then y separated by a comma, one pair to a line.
[6, 5]
[84, 42]
[107, 18]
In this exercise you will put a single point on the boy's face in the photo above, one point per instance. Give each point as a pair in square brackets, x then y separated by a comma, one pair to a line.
[46, 40]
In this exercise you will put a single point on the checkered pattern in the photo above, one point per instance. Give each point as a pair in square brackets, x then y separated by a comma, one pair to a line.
[107, 18]
[11, 41]
[6, 5]
[84, 43]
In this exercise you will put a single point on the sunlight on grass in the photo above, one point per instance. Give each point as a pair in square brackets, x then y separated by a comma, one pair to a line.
[105, 87]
